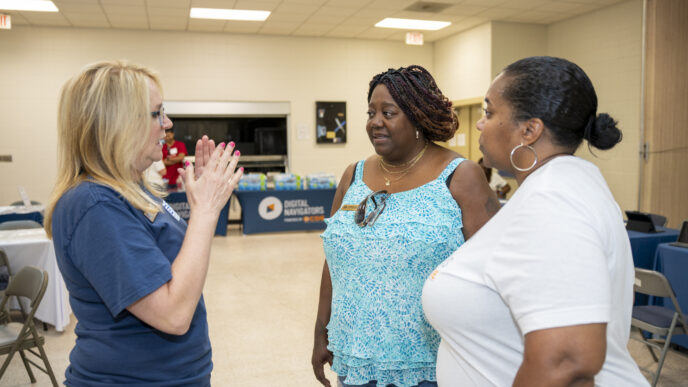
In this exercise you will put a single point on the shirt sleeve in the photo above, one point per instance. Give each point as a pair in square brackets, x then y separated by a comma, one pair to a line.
[118, 255]
[550, 267]
[181, 148]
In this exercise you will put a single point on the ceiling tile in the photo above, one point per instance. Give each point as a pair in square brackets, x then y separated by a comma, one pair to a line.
[129, 24]
[484, 3]
[106, 3]
[206, 25]
[278, 28]
[169, 3]
[224, 4]
[557, 6]
[168, 12]
[257, 5]
[522, 4]
[391, 5]
[124, 9]
[80, 7]
[347, 31]
[297, 8]
[46, 18]
[376, 33]
[287, 17]
[499, 13]
[464, 10]
[347, 3]
[246, 27]
[167, 23]
[313, 29]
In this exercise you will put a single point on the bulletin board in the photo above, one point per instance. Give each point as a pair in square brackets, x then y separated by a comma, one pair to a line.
[330, 122]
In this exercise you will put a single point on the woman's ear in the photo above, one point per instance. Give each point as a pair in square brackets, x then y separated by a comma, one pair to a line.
[531, 130]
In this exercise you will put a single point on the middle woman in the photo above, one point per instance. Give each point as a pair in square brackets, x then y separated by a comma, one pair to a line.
[396, 216]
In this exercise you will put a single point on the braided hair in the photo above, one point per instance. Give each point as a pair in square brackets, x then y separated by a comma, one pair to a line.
[417, 94]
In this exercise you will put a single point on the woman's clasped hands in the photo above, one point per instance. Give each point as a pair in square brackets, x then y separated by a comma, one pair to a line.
[210, 182]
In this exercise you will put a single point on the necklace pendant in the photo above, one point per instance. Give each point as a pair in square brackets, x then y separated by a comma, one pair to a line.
[387, 182]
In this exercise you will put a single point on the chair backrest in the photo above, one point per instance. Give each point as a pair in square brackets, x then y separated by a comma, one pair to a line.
[19, 224]
[654, 283]
[21, 203]
[29, 282]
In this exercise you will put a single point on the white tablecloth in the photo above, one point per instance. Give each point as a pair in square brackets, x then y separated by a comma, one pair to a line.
[32, 247]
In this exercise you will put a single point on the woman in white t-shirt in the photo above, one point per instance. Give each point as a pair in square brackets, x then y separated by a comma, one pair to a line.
[542, 294]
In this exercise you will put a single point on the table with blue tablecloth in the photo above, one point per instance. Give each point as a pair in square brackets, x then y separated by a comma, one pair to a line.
[177, 200]
[643, 247]
[275, 210]
[34, 213]
[672, 261]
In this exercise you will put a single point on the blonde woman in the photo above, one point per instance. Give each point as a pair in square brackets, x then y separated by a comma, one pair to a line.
[134, 269]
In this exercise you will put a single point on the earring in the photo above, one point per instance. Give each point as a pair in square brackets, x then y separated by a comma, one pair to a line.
[511, 157]
[417, 134]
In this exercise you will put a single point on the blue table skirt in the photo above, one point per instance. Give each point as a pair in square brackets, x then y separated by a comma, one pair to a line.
[271, 211]
[643, 246]
[177, 200]
[35, 216]
[672, 261]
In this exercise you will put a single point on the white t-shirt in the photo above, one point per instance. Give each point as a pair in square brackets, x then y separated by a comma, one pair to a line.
[496, 181]
[153, 174]
[557, 254]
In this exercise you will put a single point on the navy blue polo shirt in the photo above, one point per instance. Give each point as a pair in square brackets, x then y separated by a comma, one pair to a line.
[111, 255]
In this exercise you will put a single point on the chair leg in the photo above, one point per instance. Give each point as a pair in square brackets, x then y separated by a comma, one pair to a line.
[6, 363]
[665, 349]
[27, 366]
[50, 372]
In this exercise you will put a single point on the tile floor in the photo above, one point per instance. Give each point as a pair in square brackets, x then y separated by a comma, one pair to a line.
[261, 294]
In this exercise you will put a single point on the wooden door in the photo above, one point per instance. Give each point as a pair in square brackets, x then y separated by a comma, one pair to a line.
[663, 183]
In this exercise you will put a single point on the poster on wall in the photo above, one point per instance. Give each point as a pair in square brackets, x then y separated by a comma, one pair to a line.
[330, 122]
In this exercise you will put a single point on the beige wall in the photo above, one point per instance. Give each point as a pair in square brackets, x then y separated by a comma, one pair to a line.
[607, 45]
[462, 63]
[513, 41]
[193, 66]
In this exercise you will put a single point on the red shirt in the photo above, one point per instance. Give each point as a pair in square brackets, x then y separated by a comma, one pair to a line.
[176, 149]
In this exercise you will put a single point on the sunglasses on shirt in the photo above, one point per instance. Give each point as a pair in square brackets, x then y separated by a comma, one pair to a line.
[378, 200]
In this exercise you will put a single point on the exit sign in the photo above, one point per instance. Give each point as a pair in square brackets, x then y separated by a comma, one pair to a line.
[5, 22]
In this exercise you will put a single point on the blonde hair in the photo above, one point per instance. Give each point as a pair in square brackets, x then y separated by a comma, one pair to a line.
[103, 113]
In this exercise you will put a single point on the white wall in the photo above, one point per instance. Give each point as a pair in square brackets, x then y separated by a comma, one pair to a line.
[607, 45]
[193, 66]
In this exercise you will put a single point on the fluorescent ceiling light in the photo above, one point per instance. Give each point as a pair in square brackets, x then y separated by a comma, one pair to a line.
[411, 24]
[228, 14]
[28, 5]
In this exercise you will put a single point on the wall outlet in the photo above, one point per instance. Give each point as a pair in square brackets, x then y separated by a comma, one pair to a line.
[7, 158]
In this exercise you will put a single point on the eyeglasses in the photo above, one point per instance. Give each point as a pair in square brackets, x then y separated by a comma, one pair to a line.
[379, 199]
[160, 115]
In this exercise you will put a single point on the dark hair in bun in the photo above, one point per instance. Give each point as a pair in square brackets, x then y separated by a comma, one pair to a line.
[560, 94]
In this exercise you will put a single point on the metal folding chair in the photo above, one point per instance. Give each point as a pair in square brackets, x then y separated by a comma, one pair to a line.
[30, 283]
[660, 321]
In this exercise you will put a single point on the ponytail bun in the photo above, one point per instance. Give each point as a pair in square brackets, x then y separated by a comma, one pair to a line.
[603, 133]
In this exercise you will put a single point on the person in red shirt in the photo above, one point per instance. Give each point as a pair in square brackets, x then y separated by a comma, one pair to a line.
[173, 153]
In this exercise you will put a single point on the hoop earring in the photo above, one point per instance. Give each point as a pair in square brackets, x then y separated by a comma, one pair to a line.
[417, 134]
[511, 157]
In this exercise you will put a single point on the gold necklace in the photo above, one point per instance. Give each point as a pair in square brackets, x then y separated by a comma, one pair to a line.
[408, 166]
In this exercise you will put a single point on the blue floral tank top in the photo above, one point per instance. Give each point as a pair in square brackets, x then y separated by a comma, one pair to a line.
[377, 330]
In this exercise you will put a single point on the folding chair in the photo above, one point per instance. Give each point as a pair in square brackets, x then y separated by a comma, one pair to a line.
[5, 270]
[31, 283]
[657, 320]
[19, 224]
[5, 274]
